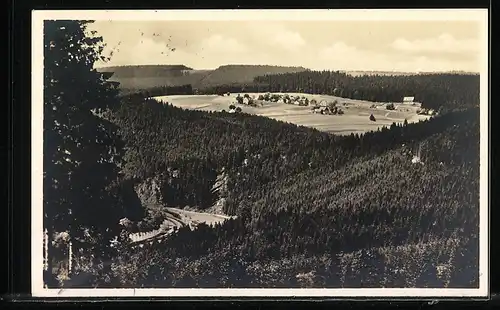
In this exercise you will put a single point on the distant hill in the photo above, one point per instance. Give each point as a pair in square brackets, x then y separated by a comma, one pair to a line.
[147, 76]
[459, 72]
[144, 70]
[234, 74]
[396, 73]
[393, 73]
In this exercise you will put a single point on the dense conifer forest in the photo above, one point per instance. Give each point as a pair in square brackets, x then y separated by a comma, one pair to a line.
[311, 209]
[306, 196]
[158, 91]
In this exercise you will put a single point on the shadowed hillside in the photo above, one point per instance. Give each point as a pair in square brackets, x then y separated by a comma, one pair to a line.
[133, 78]
[242, 74]
[145, 71]
[313, 210]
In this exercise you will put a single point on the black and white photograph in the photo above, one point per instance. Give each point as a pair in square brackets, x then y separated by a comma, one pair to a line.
[313, 153]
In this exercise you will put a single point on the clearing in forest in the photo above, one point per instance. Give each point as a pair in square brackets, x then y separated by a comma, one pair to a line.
[355, 117]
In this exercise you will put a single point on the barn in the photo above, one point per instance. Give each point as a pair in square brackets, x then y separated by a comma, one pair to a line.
[408, 100]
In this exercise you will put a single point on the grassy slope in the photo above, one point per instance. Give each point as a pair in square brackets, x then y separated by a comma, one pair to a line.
[354, 120]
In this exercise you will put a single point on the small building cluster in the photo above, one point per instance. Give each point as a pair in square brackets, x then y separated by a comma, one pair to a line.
[233, 109]
[390, 106]
[422, 111]
[286, 99]
[323, 107]
[327, 110]
[410, 101]
[246, 100]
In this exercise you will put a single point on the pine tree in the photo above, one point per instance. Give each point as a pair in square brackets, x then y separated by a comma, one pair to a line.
[82, 152]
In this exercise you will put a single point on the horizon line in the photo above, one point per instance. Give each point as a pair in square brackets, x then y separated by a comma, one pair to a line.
[283, 66]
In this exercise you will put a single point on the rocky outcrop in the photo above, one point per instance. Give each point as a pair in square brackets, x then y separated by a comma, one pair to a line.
[149, 192]
[220, 189]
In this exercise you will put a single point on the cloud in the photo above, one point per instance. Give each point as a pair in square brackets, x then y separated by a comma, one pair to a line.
[288, 39]
[445, 43]
[150, 51]
[341, 56]
[275, 44]
[338, 49]
[273, 35]
[146, 51]
[220, 44]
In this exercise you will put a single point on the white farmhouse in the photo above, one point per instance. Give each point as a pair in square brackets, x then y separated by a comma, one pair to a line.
[408, 100]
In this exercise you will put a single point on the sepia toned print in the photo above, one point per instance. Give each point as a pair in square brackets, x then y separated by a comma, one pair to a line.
[260, 155]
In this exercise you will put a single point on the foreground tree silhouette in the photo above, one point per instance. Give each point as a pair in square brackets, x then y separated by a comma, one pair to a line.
[82, 152]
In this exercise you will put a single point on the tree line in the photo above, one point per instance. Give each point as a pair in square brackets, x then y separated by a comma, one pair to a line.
[159, 91]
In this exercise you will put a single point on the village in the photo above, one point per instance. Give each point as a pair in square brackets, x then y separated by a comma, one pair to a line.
[323, 106]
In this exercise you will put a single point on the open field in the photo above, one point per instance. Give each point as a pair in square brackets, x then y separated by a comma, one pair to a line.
[354, 120]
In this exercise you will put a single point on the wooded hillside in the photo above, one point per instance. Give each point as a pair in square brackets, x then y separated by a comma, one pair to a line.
[310, 205]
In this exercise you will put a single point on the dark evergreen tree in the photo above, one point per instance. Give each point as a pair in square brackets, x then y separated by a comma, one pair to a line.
[82, 151]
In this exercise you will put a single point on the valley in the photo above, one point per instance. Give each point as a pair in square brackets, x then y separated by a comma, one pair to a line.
[254, 176]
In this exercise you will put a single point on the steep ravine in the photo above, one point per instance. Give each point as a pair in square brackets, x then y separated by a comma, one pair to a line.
[149, 192]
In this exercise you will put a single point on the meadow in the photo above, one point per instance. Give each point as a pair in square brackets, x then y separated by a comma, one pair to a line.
[354, 120]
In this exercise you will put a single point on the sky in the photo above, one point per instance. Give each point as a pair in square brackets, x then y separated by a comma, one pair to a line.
[408, 46]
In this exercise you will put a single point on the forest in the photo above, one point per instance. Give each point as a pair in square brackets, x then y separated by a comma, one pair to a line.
[158, 91]
[312, 209]
[306, 201]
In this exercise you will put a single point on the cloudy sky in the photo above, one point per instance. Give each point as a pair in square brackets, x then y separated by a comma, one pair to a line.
[334, 45]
